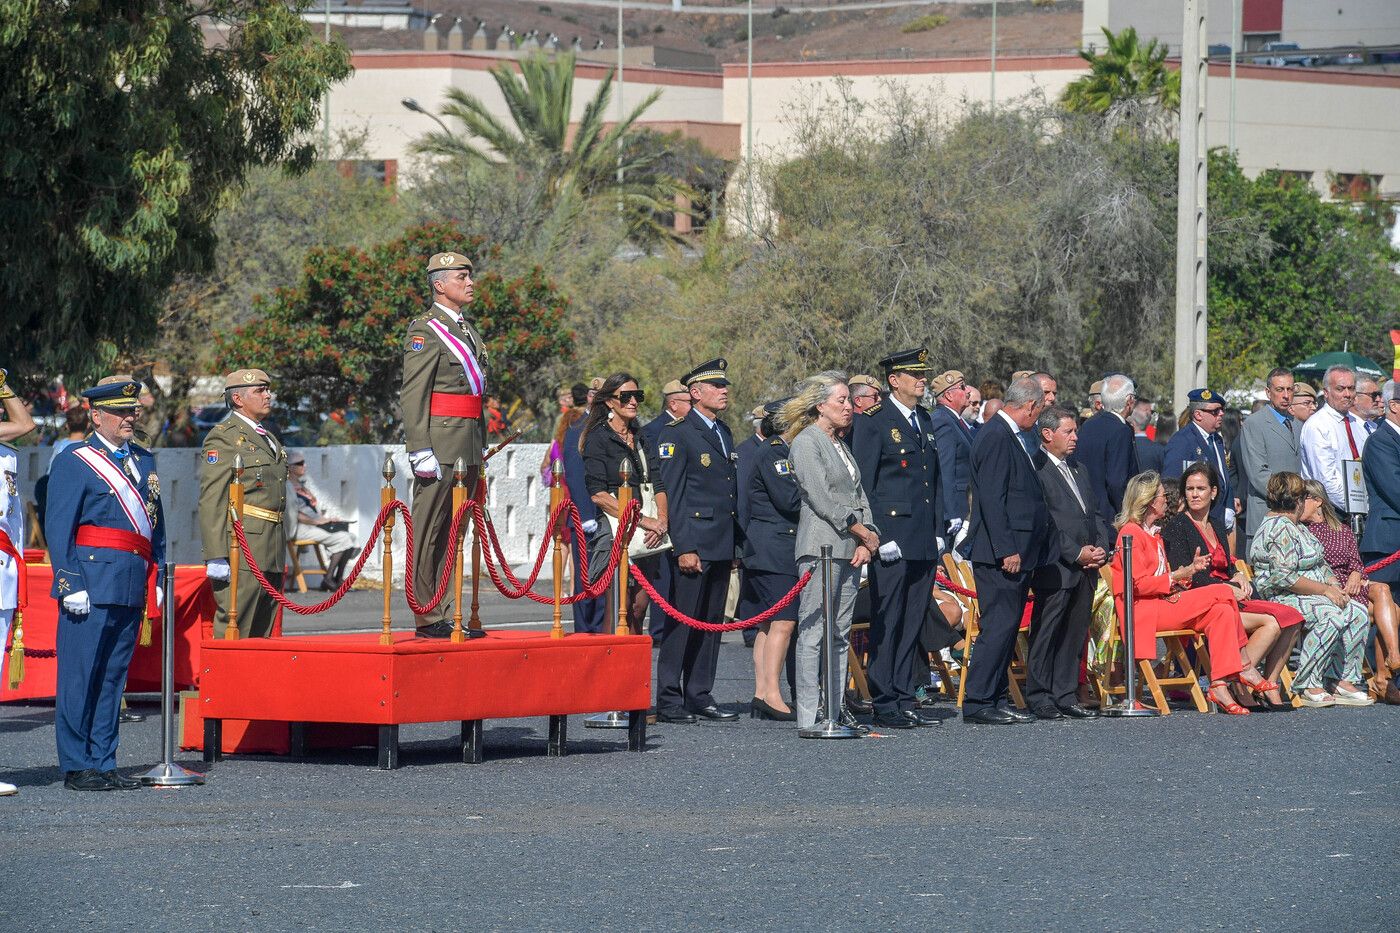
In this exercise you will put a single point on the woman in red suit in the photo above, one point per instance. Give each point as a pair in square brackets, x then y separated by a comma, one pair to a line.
[1162, 601]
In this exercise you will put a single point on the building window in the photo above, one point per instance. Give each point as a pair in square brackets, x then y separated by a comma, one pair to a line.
[1287, 175]
[1254, 41]
[384, 171]
[1354, 186]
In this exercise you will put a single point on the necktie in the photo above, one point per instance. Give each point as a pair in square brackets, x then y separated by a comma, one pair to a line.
[1027, 442]
[914, 423]
[720, 437]
[1073, 486]
[266, 436]
[1217, 450]
[1351, 438]
[123, 457]
[1371, 427]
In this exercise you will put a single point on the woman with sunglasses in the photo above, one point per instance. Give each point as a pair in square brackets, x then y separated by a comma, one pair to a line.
[610, 437]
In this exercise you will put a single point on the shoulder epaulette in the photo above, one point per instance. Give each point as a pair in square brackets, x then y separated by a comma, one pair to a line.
[872, 409]
[673, 422]
[777, 441]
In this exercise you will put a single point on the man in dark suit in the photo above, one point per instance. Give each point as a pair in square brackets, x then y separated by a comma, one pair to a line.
[898, 460]
[1381, 469]
[1200, 440]
[1106, 449]
[1009, 540]
[675, 403]
[697, 457]
[1149, 452]
[953, 439]
[1064, 587]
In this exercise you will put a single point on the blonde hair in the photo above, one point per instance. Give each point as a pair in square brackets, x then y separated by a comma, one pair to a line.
[801, 410]
[1138, 495]
[1329, 515]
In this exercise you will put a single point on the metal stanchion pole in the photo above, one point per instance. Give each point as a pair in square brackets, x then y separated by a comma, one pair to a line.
[1130, 706]
[235, 512]
[829, 726]
[168, 773]
[617, 608]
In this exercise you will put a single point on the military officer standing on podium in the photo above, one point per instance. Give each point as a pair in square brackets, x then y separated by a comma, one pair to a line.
[698, 466]
[248, 394]
[444, 385]
[894, 447]
[106, 536]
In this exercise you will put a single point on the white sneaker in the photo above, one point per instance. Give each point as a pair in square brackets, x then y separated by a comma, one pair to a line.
[8, 790]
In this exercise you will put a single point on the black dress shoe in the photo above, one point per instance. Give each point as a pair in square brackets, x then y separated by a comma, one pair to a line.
[1076, 711]
[126, 716]
[893, 721]
[1048, 711]
[918, 718]
[991, 716]
[443, 629]
[715, 714]
[1019, 715]
[758, 709]
[118, 782]
[87, 779]
[850, 722]
[854, 701]
[676, 715]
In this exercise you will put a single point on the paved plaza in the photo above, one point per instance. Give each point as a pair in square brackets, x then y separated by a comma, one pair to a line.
[1268, 822]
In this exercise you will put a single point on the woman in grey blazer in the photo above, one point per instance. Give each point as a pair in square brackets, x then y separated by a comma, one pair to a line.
[834, 512]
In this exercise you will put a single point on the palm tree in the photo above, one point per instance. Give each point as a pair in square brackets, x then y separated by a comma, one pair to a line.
[1126, 70]
[592, 161]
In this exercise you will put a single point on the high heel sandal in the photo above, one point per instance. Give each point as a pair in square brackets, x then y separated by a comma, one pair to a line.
[1263, 686]
[1232, 708]
[758, 709]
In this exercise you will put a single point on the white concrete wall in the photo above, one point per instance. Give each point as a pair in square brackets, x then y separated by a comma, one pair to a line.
[1310, 23]
[347, 480]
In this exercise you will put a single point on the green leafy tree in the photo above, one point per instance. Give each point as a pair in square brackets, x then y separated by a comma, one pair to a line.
[337, 336]
[537, 138]
[1125, 71]
[121, 131]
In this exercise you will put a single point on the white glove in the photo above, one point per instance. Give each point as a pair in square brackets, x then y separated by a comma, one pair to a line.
[590, 526]
[216, 569]
[1229, 519]
[160, 597]
[889, 551]
[425, 464]
[954, 525]
[942, 545]
[78, 603]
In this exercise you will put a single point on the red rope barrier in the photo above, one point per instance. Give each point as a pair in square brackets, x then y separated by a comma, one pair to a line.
[1383, 563]
[952, 587]
[734, 626]
[496, 563]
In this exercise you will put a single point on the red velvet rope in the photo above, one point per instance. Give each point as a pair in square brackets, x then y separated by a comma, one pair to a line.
[497, 565]
[1383, 563]
[737, 624]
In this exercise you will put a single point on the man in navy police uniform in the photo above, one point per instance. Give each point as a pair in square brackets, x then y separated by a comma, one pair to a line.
[106, 535]
[698, 460]
[894, 447]
[1200, 440]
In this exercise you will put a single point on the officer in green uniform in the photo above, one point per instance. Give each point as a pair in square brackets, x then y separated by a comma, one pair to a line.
[248, 394]
[444, 383]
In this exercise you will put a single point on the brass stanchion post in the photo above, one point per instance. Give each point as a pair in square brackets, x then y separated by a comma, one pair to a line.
[459, 496]
[556, 496]
[235, 514]
[624, 499]
[386, 495]
[480, 496]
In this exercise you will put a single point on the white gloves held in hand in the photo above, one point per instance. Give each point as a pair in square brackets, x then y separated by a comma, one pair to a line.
[77, 603]
[216, 569]
[425, 464]
[889, 551]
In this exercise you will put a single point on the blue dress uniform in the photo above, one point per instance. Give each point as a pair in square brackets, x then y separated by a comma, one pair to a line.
[698, 463]
[899, 469]
[87, 519]
[744, 464]
[1191, 444]
[770, 537]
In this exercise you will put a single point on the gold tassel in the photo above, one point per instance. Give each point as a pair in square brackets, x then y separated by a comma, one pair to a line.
[144, 637]
[17, 652]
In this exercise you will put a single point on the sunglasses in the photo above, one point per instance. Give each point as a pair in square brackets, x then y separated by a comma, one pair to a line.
[627, 398]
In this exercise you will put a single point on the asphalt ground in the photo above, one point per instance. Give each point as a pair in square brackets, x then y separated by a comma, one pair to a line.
[1266, 822]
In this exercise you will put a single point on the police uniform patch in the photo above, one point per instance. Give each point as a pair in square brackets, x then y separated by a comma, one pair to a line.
[705, 459]
[783, 467]
[211, 456]
[667, 451]
[896, 436]
[416, 343]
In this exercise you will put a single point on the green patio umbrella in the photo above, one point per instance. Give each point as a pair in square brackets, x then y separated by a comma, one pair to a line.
[1313, 367]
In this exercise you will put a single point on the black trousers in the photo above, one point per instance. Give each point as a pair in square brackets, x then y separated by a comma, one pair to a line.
[900, 593]
[1059, 632]
[1001, 597]
[685, 663]
[935, 635]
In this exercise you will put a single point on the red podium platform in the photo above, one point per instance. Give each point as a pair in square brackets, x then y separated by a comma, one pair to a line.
[352, 679]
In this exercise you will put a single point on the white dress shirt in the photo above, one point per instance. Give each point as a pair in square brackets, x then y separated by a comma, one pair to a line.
[12, 520]
[1324, 446]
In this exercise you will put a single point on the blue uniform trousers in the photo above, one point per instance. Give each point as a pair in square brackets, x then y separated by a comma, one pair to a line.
[94, 653]
[900, 592]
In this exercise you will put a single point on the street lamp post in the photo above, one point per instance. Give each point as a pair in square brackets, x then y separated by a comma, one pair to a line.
[410, 104]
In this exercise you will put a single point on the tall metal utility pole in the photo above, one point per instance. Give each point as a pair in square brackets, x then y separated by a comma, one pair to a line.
[1235, 38]
[994, 56]
[326, 102]
[748, 134]
[1190, 368]
[621, 84]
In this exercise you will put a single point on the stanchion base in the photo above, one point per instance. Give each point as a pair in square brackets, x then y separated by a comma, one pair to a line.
[827, 729]
[171, 775]
[1128, 711]
[614, 720]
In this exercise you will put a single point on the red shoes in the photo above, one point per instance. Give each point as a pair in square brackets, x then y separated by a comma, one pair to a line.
[1230, 707]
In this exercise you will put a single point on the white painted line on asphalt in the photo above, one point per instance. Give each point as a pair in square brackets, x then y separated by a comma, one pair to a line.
[324, 887]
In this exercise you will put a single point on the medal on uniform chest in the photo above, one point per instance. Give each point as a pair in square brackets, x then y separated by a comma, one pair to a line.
[705, 459]
[896, 436]
[12, 490]
[153, 495]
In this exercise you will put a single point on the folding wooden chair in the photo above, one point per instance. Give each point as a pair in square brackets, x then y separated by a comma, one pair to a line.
[297, 575]
[1177, 669]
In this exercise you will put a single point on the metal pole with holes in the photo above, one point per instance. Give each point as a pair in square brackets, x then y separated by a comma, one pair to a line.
[1130, 706]
[829, 726]
[168, 773]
